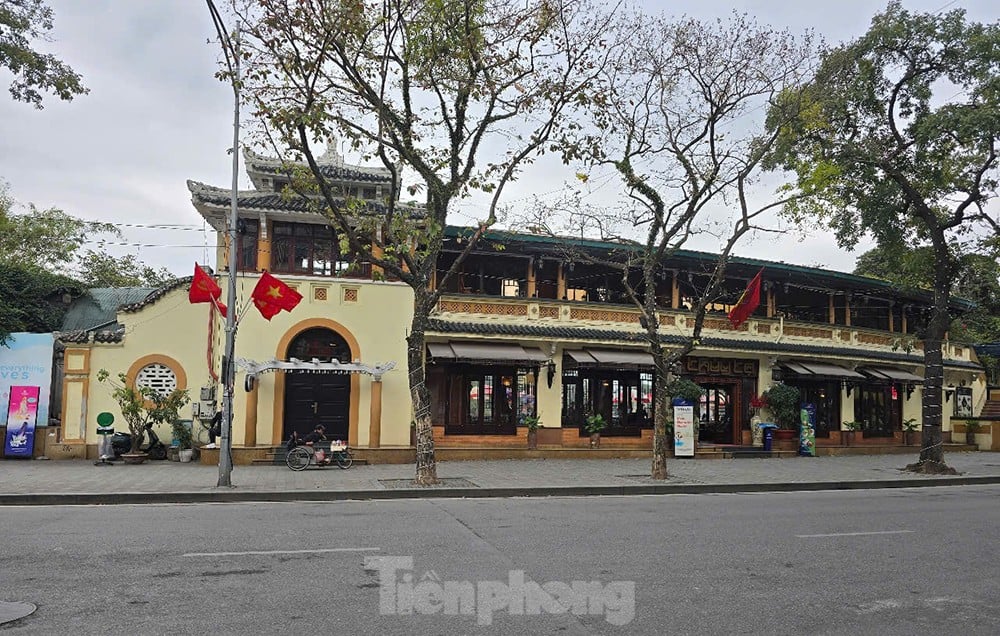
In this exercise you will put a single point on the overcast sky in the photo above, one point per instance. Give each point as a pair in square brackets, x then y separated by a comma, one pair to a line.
[156, 117]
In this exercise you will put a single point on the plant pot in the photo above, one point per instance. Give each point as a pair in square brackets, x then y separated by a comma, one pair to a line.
[134, 458]
[848, 437]
[910, 438]
[970, 437]
[785, 433]
[173, 453]
[532, 440]
[185, 455]
[595, 440]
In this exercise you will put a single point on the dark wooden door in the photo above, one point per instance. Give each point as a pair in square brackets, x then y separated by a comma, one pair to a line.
[313, 399]
[719, 411]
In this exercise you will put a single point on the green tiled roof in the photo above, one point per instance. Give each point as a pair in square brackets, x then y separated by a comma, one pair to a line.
[98, 307]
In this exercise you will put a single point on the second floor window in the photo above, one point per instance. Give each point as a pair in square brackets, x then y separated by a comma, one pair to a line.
[246, 245]
[313, 250]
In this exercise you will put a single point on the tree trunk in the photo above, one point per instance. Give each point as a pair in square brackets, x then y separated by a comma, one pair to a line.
[931, 451]
[660, 420]
[426, 468]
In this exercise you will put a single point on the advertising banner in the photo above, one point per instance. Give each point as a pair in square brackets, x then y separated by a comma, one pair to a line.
[22, 411]
[26, 360]
[683, 429]
[807, 430]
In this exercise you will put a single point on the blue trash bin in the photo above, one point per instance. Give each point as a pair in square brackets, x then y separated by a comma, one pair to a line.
[768, 430]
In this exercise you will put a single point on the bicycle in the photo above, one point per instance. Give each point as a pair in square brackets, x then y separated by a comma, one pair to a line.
[300, 457]
[201, 436]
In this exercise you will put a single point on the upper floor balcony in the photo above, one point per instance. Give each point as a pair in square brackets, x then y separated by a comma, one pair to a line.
[769, 332]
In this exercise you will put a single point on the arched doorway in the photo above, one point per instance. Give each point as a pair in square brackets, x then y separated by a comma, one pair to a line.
[318, 398]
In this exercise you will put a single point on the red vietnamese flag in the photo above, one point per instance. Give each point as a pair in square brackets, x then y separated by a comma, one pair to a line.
[747, 303]
[204, 289]
[271, 295]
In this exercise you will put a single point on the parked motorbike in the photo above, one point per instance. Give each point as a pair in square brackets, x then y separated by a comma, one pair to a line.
[122, 443]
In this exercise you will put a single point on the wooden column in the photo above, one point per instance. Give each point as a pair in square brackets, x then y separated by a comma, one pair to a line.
[675, 293]
[833, 311]
[847, 310]
[263, 247]
[561, 282]
[375, 423]
[770, 301]
[892, 319]
[902, 312]
[250, 417]
[531, 278]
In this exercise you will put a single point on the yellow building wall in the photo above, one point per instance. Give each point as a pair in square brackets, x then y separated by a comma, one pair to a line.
[171, 331]
[375, 315]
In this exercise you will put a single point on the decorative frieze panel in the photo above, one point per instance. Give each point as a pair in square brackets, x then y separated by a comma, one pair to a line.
[808, 332]
[762, 328]
[873, 339]
[548, 312]
[724, 325]
[603, 315]
[493, 309]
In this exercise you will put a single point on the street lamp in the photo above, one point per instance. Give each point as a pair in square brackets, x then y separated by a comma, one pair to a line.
[231, 50]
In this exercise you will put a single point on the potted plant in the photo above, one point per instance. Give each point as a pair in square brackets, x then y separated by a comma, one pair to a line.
[851, 429]
[532, 422]
[185, 443]
[783, 402]
[142, 408]
[910, 427]
[594, 425]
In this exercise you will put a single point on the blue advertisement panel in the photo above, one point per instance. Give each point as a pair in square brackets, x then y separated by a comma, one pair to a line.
[26, 360]
[22, 411]
[807, 434]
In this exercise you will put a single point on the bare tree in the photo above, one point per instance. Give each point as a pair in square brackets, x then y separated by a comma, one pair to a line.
[681, 122]
[460, 93]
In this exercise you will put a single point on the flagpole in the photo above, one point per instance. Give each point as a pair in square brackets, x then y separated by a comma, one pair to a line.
[228, 368]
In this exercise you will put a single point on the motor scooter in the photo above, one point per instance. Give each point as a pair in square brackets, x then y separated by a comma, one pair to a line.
[122, 443]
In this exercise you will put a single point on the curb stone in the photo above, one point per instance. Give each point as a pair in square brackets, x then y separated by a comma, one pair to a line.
[246, 496]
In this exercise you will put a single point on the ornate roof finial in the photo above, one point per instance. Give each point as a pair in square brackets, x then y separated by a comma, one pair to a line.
[330, 156]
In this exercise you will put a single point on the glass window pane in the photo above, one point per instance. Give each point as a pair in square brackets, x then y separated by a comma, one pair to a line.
[475, 393]
[488, 397]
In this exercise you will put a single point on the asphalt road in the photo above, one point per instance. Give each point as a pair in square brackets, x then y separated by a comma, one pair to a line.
[916, 561]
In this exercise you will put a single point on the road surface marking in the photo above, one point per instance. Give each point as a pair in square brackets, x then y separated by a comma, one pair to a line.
[266, 552]
[852, 534]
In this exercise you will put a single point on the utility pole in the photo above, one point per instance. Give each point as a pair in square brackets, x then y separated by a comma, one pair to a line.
[232, 53]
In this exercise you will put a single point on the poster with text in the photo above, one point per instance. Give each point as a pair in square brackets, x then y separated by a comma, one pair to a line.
[22, 411]
[26, 360]
[684, 430]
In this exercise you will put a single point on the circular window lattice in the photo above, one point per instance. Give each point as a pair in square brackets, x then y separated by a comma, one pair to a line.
[157, 377]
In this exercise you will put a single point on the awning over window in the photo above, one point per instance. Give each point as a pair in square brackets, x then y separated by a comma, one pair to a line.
[890, 373]
[487, 353]
[610, 358]
[808, 369]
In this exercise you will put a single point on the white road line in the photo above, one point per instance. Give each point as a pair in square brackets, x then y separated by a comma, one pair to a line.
[266, 552]
[852, 534]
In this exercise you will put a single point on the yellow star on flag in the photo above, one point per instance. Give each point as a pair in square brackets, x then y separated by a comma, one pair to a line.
[274, 292]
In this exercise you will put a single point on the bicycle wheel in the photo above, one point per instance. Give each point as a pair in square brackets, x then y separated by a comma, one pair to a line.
[298, 458]
[201, 436]
[344, 460]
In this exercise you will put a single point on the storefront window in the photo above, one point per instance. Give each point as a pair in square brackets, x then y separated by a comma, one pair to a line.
[494, 399]
[877, 408]
[826, 397]
[623, 397]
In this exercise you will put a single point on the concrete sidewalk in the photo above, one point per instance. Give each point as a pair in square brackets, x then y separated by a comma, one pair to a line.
[53, 482]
